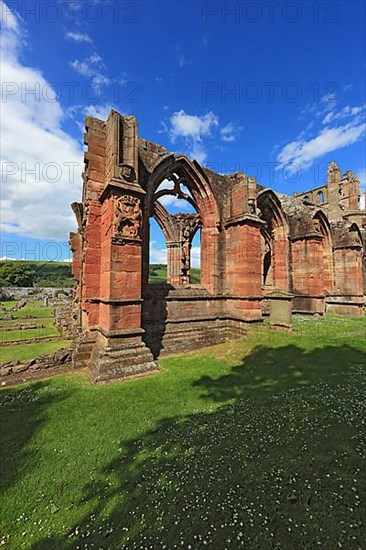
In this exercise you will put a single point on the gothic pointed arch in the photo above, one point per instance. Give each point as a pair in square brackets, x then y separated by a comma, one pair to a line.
[165, 221]
[275, 246]
[322, 226]
[182, 171]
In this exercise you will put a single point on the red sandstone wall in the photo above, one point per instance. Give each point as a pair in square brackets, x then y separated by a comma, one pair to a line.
[94, 138]
[307, 266]
[243, 260]
[348, 271]
[280, 265]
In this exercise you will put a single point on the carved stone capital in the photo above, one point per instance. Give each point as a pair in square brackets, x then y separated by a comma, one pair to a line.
[127, 217]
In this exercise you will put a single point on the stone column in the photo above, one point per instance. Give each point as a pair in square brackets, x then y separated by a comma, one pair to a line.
[119, 350]
[180, 255]
[308, 272]
[280, 259]
[173, 263]
[348, 270]
[244, 265]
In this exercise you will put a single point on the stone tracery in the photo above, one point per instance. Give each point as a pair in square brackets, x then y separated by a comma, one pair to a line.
[253, 241]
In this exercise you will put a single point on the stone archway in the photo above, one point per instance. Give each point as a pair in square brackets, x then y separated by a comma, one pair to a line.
[179, 230]
[275, 248]
[247, 243]
[182, 171]
[322, 225]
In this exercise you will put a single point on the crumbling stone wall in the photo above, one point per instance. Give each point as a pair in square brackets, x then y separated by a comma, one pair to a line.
[253, 242]
[10, 371]
[32, 294]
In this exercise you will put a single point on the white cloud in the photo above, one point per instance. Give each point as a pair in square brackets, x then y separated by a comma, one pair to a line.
[302, 152]
[78, 37]
[182, 61]
[192, 126]
[229, 133]
[344, 113]
[196, 256]
[92, 67]
[11, 35]
[362, 177]
[193, 129]
[172, 201]
[347, 87]
[181, 58]
[98, 111]
[157, 255]
[329, 101]
[180, 204]
[41, 164]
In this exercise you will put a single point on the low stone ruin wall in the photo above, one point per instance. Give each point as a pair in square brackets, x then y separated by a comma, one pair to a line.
[10, 369]
[31, 294]
[177, 320]
[64, 319]
[346, 305]
[23, 326]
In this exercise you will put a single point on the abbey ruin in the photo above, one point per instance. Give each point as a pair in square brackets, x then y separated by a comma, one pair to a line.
[254, 242]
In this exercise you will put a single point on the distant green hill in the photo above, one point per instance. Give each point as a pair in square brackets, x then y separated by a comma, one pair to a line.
[40, 274]
[158, 274]
[58, 274]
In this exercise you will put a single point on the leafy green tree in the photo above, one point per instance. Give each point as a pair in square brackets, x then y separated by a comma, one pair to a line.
[13, 274]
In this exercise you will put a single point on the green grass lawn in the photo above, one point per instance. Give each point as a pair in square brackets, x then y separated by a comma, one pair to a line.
[26, 352]
[48, 330]
[158, 274]
[258, 443]
[7, 304]
[32, 309]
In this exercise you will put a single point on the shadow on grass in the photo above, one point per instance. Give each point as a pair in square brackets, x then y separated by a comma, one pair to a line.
[278, 467]
[271, 370]
[23, 413]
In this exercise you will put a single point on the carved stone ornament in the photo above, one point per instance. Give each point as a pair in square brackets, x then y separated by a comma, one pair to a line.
[127, 172]
[127, 217]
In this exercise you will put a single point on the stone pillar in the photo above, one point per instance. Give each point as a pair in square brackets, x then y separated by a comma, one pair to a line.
[210, 237]
[173, 263]
[280, 259]
[244, 265]
[307, 271]
[348, 270]
[179, 253]
[348, 296]
[112, 286]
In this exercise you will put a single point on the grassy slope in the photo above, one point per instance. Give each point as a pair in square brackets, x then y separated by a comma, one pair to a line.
[48, 330]
[61, 272]
[25, 352]
[39, 314]
[158, 274]
[257, 443]
[32, 310]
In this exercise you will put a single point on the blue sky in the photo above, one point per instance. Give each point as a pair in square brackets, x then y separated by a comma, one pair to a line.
[276, 90]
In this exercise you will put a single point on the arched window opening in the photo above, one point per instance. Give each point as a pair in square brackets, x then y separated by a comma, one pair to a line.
[306, 199]
[195, 273]
[175, 213]
[321, 197]
[267, 260]
[274, 243]
[321, 225]
[267, 271]
[158, 254]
